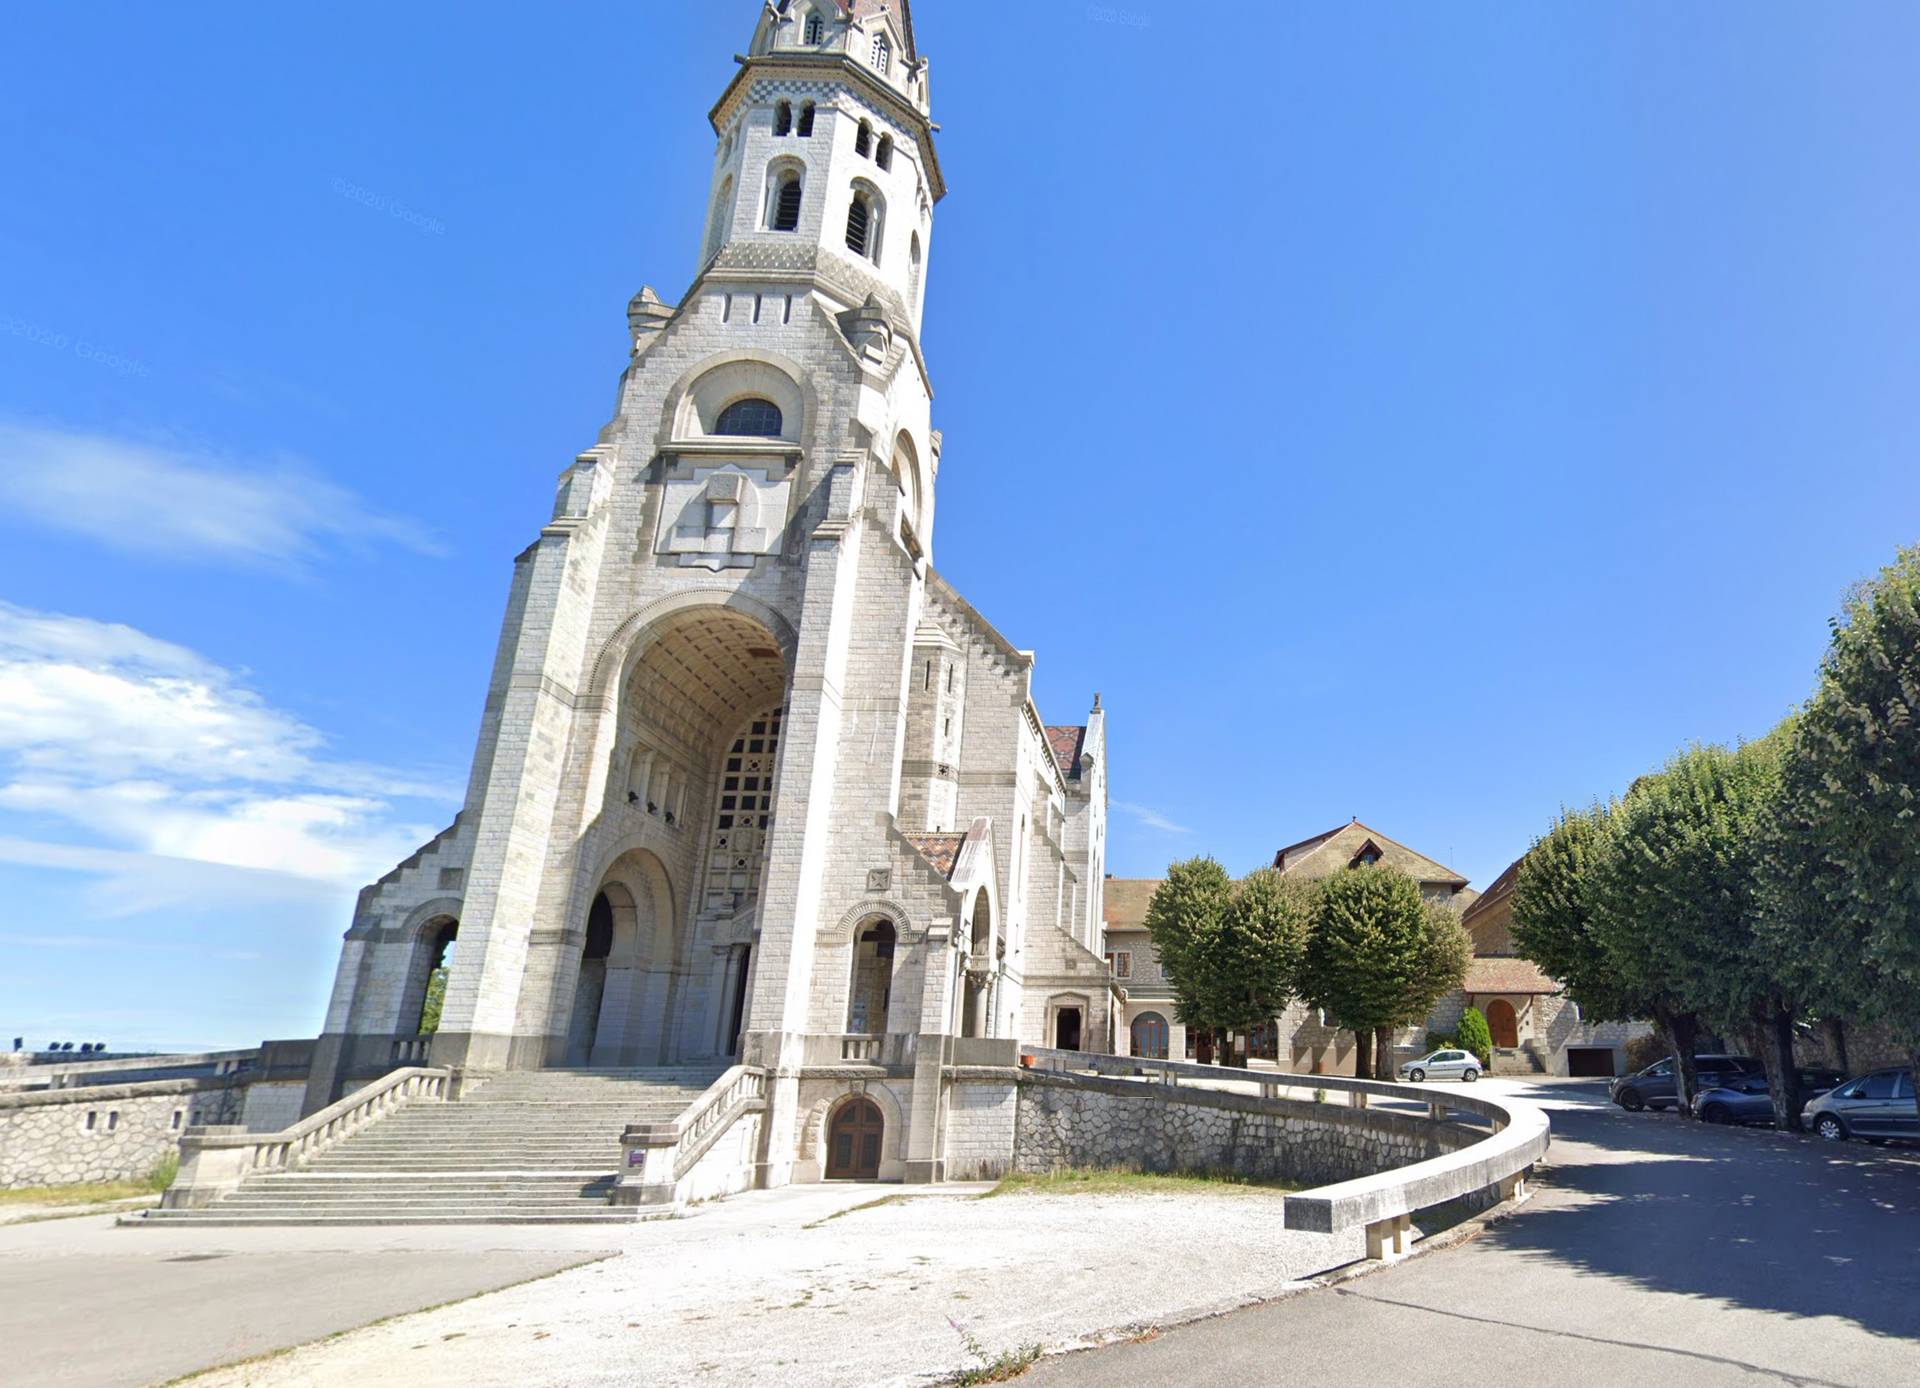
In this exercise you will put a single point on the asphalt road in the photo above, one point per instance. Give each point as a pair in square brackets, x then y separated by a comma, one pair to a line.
[87, 1305]
[1654, 1253]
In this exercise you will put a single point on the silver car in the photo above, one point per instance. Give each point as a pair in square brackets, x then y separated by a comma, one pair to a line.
[1875, 1107]
[1443, 1065]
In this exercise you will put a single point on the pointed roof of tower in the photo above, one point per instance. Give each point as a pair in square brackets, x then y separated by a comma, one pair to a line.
[901, 12]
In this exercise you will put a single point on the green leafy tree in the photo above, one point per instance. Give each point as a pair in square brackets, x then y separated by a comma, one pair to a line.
[1553, 918]
[436, 1000]
[1367, 956]
[1186, 919]
[1843, 877]
[1678, 905]
[1251, 971]
[1475, 1035]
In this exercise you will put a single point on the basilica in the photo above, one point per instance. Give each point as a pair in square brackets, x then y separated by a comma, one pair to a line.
[756, 787]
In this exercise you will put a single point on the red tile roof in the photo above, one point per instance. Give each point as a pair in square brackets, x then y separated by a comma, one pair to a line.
[941, 850]
[1124, 901]
[1504, 975]
[1066, 744]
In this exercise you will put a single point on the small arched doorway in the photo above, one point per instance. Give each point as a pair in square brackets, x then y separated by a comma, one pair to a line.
[1066, 1029]
[1504, 1023]
[1150, 1036]
[872, 991]
[854, 1139]
[591, 992]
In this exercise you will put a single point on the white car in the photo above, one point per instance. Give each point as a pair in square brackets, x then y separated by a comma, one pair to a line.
[1443, 1065]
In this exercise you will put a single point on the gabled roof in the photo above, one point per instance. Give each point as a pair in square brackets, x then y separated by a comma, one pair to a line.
[1125, 901]
[1337, 849]
[942, 851]
[1500, 891]
[1066, 744]
[901, 12]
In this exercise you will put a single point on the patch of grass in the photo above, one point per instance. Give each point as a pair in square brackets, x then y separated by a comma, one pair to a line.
[106, 1193]
[855, 1209]
[992, 1368]
[1121, 1181]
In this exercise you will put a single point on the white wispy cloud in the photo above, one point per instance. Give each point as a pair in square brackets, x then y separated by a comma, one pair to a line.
[177, 766]
[189, 505]
[1153, 819]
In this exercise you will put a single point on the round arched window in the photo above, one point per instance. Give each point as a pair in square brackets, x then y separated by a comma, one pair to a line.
[750, 419]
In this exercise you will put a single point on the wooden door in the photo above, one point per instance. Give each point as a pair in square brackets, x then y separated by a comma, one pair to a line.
[1504, 1024]
[853, 1141]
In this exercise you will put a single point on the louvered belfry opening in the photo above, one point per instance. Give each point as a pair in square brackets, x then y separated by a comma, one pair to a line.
[806, 121]
[786, 211]
[859, 225]
[783, 118]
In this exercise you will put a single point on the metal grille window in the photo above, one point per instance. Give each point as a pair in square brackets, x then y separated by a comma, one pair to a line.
[786, 204]
[816, 31]
[860, 225]
[750, 419]
[882, 54]
[745, 810]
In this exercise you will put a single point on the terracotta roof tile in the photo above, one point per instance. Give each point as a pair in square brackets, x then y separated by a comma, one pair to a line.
[1503, 975]
[1066, 744]
[940, 850]
[1126, 900]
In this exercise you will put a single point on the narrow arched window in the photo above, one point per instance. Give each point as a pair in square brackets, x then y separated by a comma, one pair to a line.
[882, 54]
[913, 281]
[783, 118]
[722, 215]
[750, 419]
[863, 142]
[883, 156]
[860, 225]
[786, 203]
[806, 120]
[816, 31]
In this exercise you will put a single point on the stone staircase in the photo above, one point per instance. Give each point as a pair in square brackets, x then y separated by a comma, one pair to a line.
[531, 1147]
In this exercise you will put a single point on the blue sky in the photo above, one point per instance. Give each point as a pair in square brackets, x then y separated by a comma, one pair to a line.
[1430, 413]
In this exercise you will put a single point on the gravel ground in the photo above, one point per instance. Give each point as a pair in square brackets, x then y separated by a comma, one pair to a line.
[808, 1287]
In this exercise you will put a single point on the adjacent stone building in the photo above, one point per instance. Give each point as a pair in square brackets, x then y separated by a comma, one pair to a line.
[754, 782]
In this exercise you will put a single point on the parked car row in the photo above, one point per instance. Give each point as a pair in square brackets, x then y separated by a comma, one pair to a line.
[1734, 1089]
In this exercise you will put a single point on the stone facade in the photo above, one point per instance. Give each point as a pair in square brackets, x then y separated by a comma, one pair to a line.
[1080, 1122]
[66, 1137]
[752, 777]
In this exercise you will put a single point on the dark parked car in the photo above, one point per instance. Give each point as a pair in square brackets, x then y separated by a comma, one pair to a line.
[1749, 1098]
[1874, 1106]
[1654, 1087]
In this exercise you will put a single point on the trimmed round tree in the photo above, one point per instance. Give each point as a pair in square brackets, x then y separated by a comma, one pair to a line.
[1367, 952]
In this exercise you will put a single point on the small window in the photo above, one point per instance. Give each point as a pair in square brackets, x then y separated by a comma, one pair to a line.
[92, 1120]
[882, 54]
[860, 225]
[863, 142]
[806, 111]
[883, 154]
[816, 33]
[750, 419]
[176, 1120]
[786, 204]
[783, 118]
[1123, 964]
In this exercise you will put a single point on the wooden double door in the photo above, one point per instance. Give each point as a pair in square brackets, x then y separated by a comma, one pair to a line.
[854, 1140]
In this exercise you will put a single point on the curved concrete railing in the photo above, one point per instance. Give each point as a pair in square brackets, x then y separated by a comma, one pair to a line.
[214, 1161]
[1384, 1203]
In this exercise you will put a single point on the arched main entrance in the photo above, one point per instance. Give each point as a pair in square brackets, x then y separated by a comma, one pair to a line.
[430, 987]
[1504, 1023]
[855, 1137]
[590, 996]
[1150, 1036]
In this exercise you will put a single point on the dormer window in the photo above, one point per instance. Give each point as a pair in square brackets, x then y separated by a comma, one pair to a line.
[750, 419]
[783, 118]
[816, 31]
[882, 55]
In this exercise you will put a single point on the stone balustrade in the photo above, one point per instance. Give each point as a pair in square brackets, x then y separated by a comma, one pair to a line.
[662, 1163]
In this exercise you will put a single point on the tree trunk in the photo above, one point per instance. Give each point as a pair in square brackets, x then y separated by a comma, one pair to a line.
[1783, 1078]
[1363, 1054]
[1837, 1036]
[1682, 1031]
[1383, 1054]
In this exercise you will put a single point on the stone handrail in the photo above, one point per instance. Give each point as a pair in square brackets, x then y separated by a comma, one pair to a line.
[658, 1156]
[214, 1161]
[1383, 1204]
[60, 1074]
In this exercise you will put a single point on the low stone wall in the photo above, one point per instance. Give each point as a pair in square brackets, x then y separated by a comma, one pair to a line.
[105, 1132]
[1082, 1121]
[983, 1116]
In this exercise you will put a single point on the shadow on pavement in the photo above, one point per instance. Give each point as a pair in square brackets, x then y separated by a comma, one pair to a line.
[1750, 1217]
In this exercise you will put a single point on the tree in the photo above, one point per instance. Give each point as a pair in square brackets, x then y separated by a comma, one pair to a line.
[1843, 880]
[1554, 901]
[1366, 957]
[1678, 906]
[1185, 919]
[1475, 1035]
